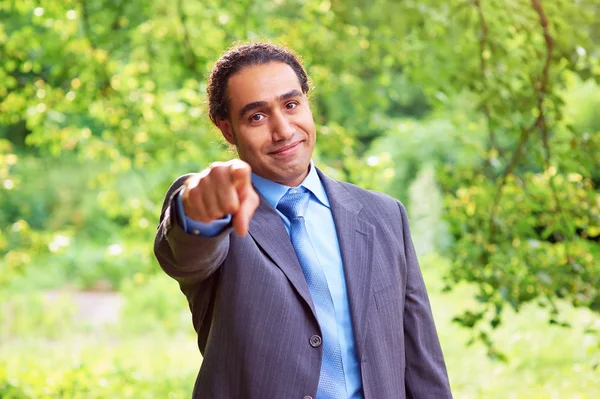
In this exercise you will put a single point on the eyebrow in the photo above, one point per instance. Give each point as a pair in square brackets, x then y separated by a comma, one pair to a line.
[258, 104]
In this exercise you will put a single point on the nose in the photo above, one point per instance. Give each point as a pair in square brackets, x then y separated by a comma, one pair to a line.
[282, 129]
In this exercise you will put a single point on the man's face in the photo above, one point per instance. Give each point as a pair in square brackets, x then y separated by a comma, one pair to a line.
[270, 122]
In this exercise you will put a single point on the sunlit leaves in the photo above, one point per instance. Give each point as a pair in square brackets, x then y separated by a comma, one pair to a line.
[118, 89]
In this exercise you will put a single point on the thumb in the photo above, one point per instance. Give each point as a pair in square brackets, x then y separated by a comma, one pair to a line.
[248, 204]
[240, 173]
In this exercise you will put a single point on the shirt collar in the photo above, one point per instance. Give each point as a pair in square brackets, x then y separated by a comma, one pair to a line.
[273, 191]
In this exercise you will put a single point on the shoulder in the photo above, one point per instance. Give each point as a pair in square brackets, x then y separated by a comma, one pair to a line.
[380, 204]
[386, 214]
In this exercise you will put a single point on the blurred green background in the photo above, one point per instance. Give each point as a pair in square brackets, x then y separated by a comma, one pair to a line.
[482, 116]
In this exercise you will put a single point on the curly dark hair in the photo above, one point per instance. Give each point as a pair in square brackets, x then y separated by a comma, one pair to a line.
[237, 58]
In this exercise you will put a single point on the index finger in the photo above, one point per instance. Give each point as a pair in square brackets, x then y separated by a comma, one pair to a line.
[240, 174]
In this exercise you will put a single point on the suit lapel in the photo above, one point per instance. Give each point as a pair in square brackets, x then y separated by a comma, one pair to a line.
[268, 230]
[355, 236]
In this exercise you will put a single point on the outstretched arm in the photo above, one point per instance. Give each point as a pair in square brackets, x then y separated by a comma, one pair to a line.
[221, 189]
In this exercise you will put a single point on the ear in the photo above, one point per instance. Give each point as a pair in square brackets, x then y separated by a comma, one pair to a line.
[226, 130]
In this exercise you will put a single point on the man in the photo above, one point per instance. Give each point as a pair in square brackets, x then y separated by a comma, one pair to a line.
[300, 286]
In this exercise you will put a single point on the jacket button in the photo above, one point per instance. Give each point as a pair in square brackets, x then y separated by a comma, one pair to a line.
[307, 397]
[315, 342]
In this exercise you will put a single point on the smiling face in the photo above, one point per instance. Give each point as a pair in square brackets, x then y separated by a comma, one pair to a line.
[270, 123]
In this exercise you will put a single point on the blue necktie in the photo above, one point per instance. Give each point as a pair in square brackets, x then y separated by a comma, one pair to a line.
[332, 384]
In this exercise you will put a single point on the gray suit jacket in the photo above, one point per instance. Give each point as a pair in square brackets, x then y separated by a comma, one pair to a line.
[254, 316]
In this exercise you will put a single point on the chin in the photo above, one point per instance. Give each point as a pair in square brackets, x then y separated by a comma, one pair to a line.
[296, 176]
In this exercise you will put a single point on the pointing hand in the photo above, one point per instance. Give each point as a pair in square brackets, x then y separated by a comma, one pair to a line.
[221, 189]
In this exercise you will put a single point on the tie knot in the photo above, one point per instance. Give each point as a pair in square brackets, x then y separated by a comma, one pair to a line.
[293, 203]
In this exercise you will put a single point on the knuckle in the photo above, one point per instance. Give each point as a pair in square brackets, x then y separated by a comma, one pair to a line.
[214, 168]
[219, 173]
[244, 164]
[192, 182]
[217, 165]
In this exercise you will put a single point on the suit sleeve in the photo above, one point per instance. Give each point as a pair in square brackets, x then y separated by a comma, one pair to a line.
[187, 258]
[426, 375]
[195, 227]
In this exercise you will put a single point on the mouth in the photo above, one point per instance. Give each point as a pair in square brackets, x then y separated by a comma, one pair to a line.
[287, 150]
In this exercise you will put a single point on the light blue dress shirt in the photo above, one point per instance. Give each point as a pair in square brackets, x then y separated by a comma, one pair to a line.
[321, 229]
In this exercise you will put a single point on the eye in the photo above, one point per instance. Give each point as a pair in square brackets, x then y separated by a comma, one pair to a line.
[257, 118]
[291, 105]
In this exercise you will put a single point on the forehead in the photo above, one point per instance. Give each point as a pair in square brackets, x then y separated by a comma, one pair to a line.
[261, 83]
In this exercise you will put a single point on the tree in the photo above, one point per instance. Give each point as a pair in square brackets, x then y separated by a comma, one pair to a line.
[524, 216]
[117, 88]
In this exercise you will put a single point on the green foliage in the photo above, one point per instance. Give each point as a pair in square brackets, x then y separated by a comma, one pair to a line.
[161, 361]
[153, 304]
[523, 211]
[480, 115]
[150, 352]
[131, 369]
[543, 361]
[25, 313]
[102, 106]
[106, 107]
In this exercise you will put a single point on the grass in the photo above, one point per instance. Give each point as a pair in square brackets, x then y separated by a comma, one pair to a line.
[161, 360]
[544, 361]
[94, 367]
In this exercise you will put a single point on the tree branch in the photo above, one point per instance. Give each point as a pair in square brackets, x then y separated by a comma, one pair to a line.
[85, 26]
[483, 44]
[85, 17]
[537, 6]
[525, 134]
[459, 7]
[539, 123]
[189, 57]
